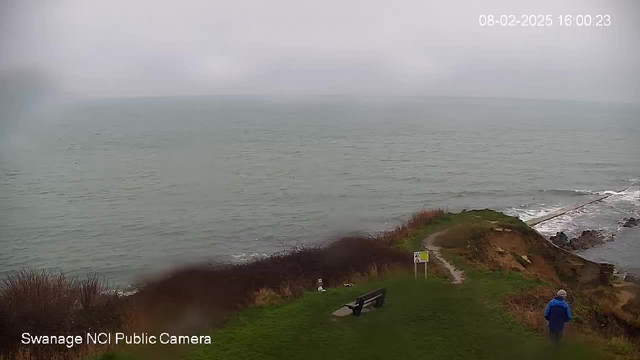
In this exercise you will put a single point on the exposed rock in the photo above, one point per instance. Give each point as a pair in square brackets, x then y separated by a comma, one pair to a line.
[587, 240]
[500, 250]
[630, 222]
[498, 229]
[560, 239]
[521, 259]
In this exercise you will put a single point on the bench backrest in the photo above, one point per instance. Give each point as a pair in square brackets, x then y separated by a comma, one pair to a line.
[372, 294]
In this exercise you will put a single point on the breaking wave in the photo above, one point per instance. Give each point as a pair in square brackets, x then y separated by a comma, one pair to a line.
[579, 192]
[244, 257]
[528, 214]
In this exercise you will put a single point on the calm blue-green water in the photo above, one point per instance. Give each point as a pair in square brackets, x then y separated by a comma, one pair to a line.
[131, 187]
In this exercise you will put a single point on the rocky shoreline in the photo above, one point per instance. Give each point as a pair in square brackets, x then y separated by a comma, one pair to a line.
[630, 222]
[586, 240]
[589, 238]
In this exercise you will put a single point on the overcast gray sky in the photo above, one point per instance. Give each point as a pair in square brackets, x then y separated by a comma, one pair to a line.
[366, 47]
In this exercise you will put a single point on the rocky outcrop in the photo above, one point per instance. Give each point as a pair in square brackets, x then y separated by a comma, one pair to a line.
[586, 240]
[560, 239]
[630, 222]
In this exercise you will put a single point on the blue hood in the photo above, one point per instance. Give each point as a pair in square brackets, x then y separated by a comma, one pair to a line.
[559, 301]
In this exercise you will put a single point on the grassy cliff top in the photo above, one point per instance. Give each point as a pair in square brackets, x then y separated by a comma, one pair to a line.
[495, 314]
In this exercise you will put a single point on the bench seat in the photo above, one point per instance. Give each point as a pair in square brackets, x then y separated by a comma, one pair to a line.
[376, 296]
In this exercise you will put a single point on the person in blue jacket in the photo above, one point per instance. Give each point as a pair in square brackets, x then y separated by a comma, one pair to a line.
[557, 313]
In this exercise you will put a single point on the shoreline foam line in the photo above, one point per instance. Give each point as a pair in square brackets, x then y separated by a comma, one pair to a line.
[555, 214]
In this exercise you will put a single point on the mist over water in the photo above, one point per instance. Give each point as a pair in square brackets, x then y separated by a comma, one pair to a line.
[128, 188]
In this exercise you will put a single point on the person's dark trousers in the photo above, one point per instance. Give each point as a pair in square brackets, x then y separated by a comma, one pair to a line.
[555, 337]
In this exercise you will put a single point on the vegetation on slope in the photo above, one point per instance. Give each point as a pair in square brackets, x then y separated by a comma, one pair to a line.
[189, 300]
[275, 312]
[489, 246]
[39, 303]
[421, 319]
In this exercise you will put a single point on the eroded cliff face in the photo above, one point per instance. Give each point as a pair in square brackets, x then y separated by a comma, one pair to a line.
[605, 303]
[531, 253]
[572, 268]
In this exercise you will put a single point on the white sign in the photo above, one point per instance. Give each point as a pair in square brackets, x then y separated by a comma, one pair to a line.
[420, 257]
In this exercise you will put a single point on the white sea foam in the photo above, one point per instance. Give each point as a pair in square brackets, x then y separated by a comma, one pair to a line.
[594, 192]
[561, 223]
[528, 214]
[243, 257]
[585, 192]
[609, 192]
[631, 195]
[590, 217]
[591, 192]
[571, 192]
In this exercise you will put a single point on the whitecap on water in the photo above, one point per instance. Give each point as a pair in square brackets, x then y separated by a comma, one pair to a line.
[561, 223]
[604, 216]
[528, 214]
[244, 257]
[629, 197]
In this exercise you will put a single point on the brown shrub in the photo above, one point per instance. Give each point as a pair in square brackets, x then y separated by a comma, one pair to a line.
[41, 303]
[592, 310]
[423, 217]
[416, 221]
[266, 297]
[191, 299]
[220, 290]
[291, 290]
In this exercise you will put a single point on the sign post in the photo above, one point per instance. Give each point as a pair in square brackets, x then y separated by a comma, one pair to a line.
[420, 257]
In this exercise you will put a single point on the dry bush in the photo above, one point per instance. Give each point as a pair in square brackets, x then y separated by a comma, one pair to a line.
[291, 290]
[224, 289]
[623, 348]
[416, 221]
[423, 217]
[41, 303]
[528, 307]
[373, 271]
[266, 297]
[591, 309]
[356, 278]
[91, 288]
[82, 353]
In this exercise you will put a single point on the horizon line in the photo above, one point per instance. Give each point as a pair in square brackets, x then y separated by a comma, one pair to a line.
[346, 96]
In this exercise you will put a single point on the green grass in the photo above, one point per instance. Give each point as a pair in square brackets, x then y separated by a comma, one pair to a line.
[421, 319]
[448, 220]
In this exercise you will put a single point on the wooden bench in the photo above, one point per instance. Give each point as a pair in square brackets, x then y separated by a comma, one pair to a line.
[377, 295]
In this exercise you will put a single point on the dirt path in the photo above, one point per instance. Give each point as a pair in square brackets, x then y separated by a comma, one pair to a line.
[456, 276]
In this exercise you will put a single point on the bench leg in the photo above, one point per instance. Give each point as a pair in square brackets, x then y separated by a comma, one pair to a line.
[380, 301]
[357, 310]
